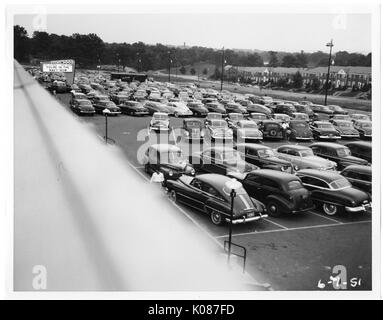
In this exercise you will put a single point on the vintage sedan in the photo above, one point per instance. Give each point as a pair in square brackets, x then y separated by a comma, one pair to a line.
[334, 193]
[159, 122]
[336, 117]
[324, 130]
[361, 149]
[215, 107]
[220, 159]
[281, 192]
[197, 108]
[302, 157]
[133, 108]
[153, 107]
[300, 130]
[259, 108]
[285, 108]
[271, 129]
[82, 107]
[359, 176]
[193, 129]
[246, 130]
[263, 157]
[321, 109]
[208, 193]
[235, 108]
[140, 95]
[337, 153]
[257, 117]
[337, 109]
[100, 106]
[359, 116]
[167, 159]
[119, 98]
[180, 109]
[218, 130]
[345, 129]
[364, 128]
[304, 108]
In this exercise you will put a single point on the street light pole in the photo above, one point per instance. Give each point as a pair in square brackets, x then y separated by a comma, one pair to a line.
[106, 111]
[168, 66]
[330, 44]
[223, 62]
[232, 196]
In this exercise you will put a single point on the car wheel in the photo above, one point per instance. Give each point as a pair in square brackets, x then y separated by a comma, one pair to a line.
[216, 217]
[176, 114]
[330, 209]
[273, 209]
[173, 195]
[147, 168]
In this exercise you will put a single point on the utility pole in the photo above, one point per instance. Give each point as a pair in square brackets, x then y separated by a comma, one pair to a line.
[223, 62]
[330, 44]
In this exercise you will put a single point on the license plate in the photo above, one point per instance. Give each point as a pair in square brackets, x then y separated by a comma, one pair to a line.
[251, 214]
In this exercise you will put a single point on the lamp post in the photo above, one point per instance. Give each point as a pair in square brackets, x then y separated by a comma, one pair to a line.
[223, 62]
[169, 61]
[330, 44]
[106, 111]
[232, 185]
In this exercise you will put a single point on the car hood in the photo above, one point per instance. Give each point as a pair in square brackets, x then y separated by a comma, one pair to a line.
[347, 130]
[159, 123]
[220, 130]
[317, 161]
[302, 131]
[250, 132]
[179, 166]
[327, 131]
[355, 160]
[353, 194]
[239, 166]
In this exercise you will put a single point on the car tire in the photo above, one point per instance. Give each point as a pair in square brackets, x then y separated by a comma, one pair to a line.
[330, 209]
[216, 217]
[175, 114]
[273, 209]
[173, 195]
[147, 169]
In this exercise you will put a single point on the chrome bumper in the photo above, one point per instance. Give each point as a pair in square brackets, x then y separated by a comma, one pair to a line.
[359, 208]
[245, 220]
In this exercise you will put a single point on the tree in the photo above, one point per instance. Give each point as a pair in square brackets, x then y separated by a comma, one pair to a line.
[301, 60]
[254, 60]
[182, 70]
[21, 43]
[273, 59]
[297, 80]
[289, 61]
[205, 71]
[192, 71]
[217, 74]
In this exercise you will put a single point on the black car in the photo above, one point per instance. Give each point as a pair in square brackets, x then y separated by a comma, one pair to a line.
[263, 157]
[82, 107]
[259, 108]
[300, 130]
[324, 130]
[234, 107]
[364, 128]
[281, 192]
[271, 129]
[321, 109]
[167, 159]
[304, 109]
[215, 107]
[338, 153]
[208, 193]
[198, 109]
[193, 129]
[361, 149]
[133, 108]
[333, 192]
[359, 176]
[285, 108]
[220, 159]
[100, 106]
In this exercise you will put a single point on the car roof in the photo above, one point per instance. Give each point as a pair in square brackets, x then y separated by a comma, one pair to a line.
[160, 114]
[163, 147]
[246, 121]
[359, 168]
[192, 120]
[219, 148]
[364, 121]
[343, 121]
[326, 175]
[322, 122]
[275, 175]
[270, 121]
[294, 147]
[297, 121]
[359, 143]
[216, 180]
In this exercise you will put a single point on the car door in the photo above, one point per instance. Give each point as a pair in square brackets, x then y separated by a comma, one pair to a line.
[193, 195]
[254, 187]
[251, 156]
[212, 198]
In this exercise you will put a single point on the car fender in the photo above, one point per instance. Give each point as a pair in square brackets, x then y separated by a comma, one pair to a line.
[281, 201]
[328, 197]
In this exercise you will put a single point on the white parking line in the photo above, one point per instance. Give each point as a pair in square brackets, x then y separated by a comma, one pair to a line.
[297, 228]
[325, 217]
[277, 224]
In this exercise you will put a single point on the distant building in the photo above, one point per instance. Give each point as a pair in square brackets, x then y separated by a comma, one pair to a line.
[339, 76]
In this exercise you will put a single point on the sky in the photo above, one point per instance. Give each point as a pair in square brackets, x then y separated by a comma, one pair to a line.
[289, 32]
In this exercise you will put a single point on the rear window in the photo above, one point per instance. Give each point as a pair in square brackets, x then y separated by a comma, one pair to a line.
[294, 185]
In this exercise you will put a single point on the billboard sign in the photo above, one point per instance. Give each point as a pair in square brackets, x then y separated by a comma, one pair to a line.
[60, 66]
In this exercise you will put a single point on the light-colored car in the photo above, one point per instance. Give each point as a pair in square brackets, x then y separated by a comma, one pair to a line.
[159, 122]
[219, 130]
[180, 109]
[246, 130]
[302, 157]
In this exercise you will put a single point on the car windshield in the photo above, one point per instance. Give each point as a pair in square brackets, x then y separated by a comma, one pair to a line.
[258, 116]
[325, 126]
[301, 116]
[110, 105]
[294, 185]
[230, 155]
[172, 157]
[85, 103]
[214, 116]
[306, 153]
[340, 184]
[236, 117]
[344, 124]
[343, 152]
[265, 153]
[219, 123]
[249, 125]
[194, 124]
[271, 126]
[160, 117]
[299, 125]
[366, 125]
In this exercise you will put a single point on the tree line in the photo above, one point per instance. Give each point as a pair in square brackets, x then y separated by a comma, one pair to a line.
[90, 50]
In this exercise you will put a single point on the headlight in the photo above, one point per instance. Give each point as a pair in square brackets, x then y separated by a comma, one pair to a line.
[284, 168]
[296, 168]
[171, 173]
[192, 172]
[186, 133]
[202, 133]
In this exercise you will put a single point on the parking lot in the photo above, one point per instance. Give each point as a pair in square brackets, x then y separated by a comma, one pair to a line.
[292, 252]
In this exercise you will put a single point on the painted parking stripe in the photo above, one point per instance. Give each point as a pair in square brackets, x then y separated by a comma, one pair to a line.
[298, 228]
[325, 217]
[277, 224]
